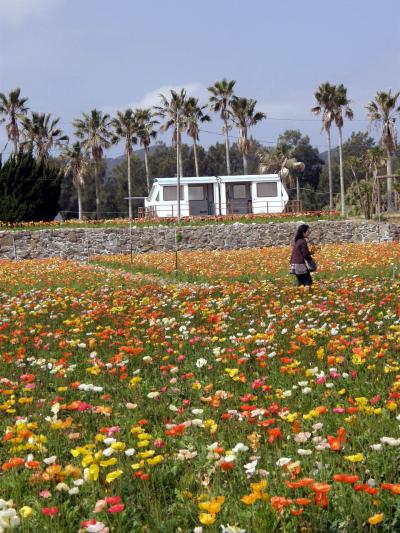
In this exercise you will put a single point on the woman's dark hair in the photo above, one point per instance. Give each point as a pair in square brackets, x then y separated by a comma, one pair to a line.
[301, 231]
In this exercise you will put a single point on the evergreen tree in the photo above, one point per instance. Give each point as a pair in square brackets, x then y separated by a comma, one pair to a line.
[29, 190]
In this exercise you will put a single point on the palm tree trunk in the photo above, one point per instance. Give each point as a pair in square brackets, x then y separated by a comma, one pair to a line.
[228, 160]
[328, 133]
[178, 170]
[14, 130]
[97, 187]
[244, 164]
[180, 159]
[79, 202]
[244, 155]
[129, 187]
[342, 204]
[360, 196]
[146, 164]
[389, 182]
[196, 163]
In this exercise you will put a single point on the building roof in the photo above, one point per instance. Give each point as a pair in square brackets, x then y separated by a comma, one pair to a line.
[213, 179]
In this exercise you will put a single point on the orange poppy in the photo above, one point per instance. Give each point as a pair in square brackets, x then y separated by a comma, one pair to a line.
[335, 443]
[321, 499]
[33, 465]
[393, 487]
[305, 482]
[364, 487]
[274, 433]
[320, 488]
[302, 501]
[345, 478]
[279, 502]
[296, 512]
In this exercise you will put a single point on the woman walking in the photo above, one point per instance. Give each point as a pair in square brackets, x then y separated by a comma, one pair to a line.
[301, 261]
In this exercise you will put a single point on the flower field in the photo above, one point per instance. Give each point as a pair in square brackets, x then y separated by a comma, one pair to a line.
[134, 405]
[261, 262]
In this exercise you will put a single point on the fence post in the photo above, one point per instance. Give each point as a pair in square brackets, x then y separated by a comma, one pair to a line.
[14, 248]
[130, 239]
[87, 245]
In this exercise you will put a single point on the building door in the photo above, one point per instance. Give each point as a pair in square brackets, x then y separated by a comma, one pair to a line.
[238, 196]
[201, 200]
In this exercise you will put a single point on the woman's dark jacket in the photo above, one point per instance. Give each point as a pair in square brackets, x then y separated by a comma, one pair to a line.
[300, 252]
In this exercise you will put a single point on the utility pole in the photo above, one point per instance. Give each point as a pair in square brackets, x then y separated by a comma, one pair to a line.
[219, 179]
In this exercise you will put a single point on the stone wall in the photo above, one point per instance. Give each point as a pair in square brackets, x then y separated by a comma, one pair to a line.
[81, 243]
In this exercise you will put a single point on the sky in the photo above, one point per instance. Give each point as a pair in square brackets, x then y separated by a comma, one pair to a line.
[70, 56]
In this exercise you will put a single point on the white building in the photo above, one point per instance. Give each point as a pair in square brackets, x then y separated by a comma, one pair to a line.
[217, 195]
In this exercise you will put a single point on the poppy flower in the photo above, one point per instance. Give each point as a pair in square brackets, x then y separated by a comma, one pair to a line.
[335, 443]
[117, 508]
[305, 482]
[50, 511]
[375, 519]
[394, 488]
[345, 478]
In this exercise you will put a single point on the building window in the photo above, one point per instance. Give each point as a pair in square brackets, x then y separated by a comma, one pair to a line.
[239, 191]
[196, 192]
[265, 190]
[169, 193]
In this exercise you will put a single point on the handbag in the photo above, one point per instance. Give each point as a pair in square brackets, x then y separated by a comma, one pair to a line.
[311, 265]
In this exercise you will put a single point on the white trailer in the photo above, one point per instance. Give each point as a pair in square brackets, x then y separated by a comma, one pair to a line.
[217, 195]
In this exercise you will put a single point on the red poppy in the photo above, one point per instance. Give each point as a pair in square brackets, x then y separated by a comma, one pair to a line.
[50, 511]
[113, 500]
[227, 465]
[274, 433]
[116, 508]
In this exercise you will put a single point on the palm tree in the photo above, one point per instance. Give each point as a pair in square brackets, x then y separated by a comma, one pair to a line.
[13, 106]
[220, 101]
[41, 134]
[94, 130]
[173, 112]
[245, 116]
[325, 97]
[125, 127]
[77, 165]
[146, 132]
[342, 108]
[282, 162]
[193, 116]
[381, 113]
[373, 160]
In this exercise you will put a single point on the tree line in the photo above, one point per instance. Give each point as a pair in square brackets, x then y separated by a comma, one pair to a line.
[95, 132]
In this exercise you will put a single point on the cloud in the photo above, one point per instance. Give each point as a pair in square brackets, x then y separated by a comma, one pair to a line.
[152, 98]
[15, 11]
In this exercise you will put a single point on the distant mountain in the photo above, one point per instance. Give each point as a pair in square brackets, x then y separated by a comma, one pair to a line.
[334, 153]
[113, 162]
